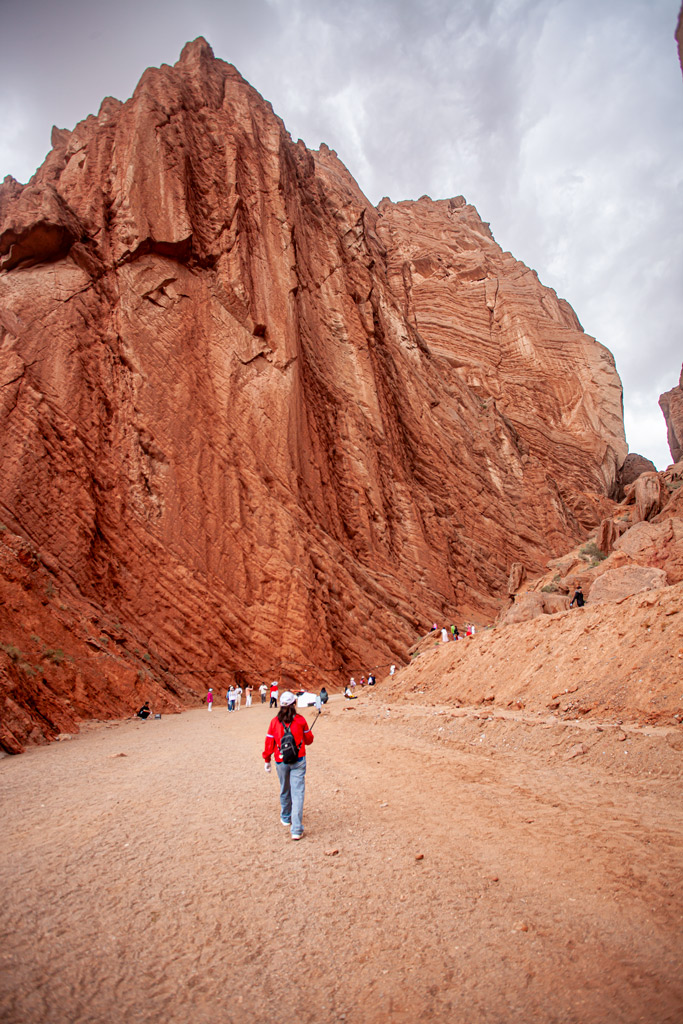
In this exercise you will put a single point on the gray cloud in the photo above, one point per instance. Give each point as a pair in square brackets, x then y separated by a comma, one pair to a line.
[559, 119]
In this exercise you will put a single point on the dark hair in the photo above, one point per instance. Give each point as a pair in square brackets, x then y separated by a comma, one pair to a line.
[287, 714]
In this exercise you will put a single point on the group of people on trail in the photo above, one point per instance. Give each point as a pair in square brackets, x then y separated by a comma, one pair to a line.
[235, 692]
[350, 688]
[234, 697]
[453, 633]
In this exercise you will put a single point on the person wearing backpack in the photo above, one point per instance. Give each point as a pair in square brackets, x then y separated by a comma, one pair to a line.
[287, 738]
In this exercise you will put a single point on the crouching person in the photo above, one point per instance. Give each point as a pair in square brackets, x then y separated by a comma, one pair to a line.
[287, 738]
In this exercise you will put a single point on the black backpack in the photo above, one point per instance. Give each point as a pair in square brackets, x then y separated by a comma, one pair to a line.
[289, 748]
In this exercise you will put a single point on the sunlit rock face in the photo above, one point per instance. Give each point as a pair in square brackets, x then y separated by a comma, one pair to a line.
[259, 423]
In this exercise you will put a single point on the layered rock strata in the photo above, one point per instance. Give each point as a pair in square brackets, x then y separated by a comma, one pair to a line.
[260, 425]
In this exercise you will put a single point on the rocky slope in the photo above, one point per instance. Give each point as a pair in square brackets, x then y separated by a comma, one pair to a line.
[251, 424]
[615, 662]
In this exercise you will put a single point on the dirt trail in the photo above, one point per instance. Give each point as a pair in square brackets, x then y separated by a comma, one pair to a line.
[160, 886]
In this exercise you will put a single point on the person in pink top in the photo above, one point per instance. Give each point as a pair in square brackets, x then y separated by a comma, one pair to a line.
[209, 698]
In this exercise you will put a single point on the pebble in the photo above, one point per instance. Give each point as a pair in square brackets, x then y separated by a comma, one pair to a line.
[576, 751]
[332, 853]
[419, 856]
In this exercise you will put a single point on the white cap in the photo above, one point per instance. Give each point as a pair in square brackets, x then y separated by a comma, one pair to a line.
[287, 698]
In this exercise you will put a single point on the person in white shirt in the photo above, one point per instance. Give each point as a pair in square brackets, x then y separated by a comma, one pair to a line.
[238, 697]
[263, 690]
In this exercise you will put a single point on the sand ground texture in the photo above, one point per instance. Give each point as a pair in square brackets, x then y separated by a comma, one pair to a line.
[160, 885]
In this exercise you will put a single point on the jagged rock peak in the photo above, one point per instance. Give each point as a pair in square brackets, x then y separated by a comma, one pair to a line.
[196, 51]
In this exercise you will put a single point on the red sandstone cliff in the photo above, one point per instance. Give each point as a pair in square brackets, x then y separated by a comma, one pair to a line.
[671, 404]
[248, 420]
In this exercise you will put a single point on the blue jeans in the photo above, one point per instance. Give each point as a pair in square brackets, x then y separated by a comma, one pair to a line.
[292, 788]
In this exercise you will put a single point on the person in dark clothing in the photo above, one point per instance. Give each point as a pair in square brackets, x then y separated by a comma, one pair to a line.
[144, 711]
[324, 697]
[577, 599]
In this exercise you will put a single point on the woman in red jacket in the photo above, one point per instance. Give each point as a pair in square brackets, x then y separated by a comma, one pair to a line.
[292, 776]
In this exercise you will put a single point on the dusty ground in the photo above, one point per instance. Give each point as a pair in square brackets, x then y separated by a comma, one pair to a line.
[160, 886]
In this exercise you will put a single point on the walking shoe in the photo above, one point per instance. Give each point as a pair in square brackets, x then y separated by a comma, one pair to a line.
[283, 822]
[299, 835]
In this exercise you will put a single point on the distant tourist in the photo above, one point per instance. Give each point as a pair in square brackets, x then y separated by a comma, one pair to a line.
[231, 698]
[209, 699]
[263, 690]
[578, 598]
[238, 697]
[392, 670]
[247, 694]
[144, 711]
[273, 695]
[291, 773]
[444, 635]
[371, 679]
[324, 696]
[454, 633]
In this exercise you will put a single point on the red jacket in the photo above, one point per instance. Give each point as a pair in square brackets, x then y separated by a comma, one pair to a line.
[276, 730]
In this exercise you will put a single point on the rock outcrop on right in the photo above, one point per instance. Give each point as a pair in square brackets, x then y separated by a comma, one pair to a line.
[671, 404]
[639, 547]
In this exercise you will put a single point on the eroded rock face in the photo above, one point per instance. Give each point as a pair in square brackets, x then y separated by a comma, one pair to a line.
[530, 606]
[261, 425]
[617, 584]
[671, 404]
[659, 545]
[634, 465]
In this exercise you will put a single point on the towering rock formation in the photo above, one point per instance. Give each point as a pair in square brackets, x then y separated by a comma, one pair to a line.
[253, 421]
[671, 404]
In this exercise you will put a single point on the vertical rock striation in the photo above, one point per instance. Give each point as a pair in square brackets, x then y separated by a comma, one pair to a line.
[261, 423]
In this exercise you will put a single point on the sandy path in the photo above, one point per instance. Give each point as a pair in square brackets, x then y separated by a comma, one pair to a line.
[161, 886]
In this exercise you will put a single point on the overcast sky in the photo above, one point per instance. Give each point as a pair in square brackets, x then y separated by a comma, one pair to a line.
[561, 120]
